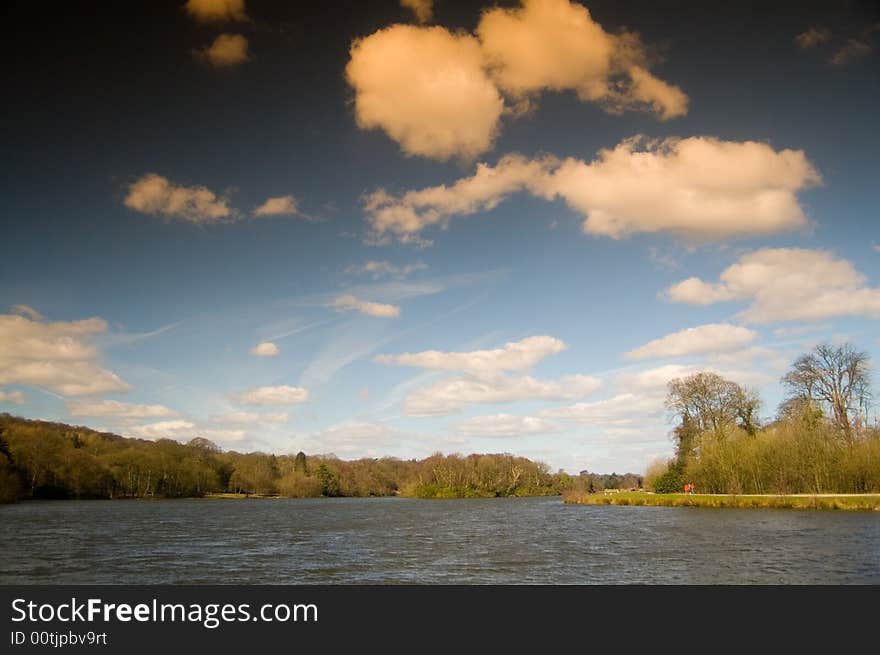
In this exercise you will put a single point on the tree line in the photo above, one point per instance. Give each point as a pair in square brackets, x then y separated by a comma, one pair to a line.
[40, 459]
[820, 440]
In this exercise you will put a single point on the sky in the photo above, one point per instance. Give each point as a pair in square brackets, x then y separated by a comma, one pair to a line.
[398, 228]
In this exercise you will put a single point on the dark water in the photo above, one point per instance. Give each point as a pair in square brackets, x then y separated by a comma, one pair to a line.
[394, 540]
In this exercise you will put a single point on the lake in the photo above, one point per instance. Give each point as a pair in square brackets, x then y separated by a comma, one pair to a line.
[397, 540]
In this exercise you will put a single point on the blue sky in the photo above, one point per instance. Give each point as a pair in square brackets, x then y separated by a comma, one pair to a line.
[468, 191]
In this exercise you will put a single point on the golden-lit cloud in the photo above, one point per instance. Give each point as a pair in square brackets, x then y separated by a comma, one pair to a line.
[12, 397]
[699, 188]
[427, 89]
[60, 356]
[556, 45]
[440, 94]
[278, 206]
[786, 284]
[378, 269]
[377, 309]
[216, 11]
[813, 37]
[423, 10]
[854, 48]
[226, 51]
[25, 310]
[157, 195]
[264, 349]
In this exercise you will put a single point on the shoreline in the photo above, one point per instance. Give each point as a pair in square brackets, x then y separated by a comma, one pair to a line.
[823, 501]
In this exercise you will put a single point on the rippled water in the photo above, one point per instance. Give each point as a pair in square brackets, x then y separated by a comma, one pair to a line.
[396, 540]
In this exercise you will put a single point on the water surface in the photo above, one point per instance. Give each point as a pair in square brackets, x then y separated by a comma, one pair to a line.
[396, 540]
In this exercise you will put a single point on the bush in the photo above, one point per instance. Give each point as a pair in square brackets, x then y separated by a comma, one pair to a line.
[670, 482]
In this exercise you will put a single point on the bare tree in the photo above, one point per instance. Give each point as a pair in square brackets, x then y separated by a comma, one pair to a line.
[837, 378]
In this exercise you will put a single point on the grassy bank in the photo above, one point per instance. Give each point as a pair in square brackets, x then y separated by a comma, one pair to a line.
[799, 501]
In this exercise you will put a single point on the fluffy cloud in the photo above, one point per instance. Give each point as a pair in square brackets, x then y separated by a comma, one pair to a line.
[514, 356]
[379, 269]
[556, 45]
[450, 396]
[213, 11]
[58, 355]
[423, 10]
[11, 397]
[441, 94]
[700, 340]
[354, 439]
[264, 349]
[813, 37]
[250, 418]
[699, 187]
[622, 409]
[279, 206]
[427, 89]
[157, 195]
[413, 211]
[177, 429]
[25, 310]
[380, 310]
[505, 425]
[281, 395]
[854, 48]
[786, 284]
[116, 409]
[226, 51]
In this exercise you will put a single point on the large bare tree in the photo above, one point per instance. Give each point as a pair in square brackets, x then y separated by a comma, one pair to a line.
[837, 379]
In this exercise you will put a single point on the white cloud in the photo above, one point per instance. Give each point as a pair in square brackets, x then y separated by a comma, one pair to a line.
[622, 409]
[654, 381]
[450, 396]
[281, 395]
[427, 89]
[700, 188]
[26, 311]
[11, 397]
[354, 439]
[177, 429]
[379, 269]
[117, 409]
[700, 340]
[250, 418]
[58, 355]
[264, 349]
[278, 206]
[505, 425]
[380, 310]
[514, 356]
[226, 51]
[441, 94]
[423, 10]
[786, 284]
[157, 195]
[209, 11]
